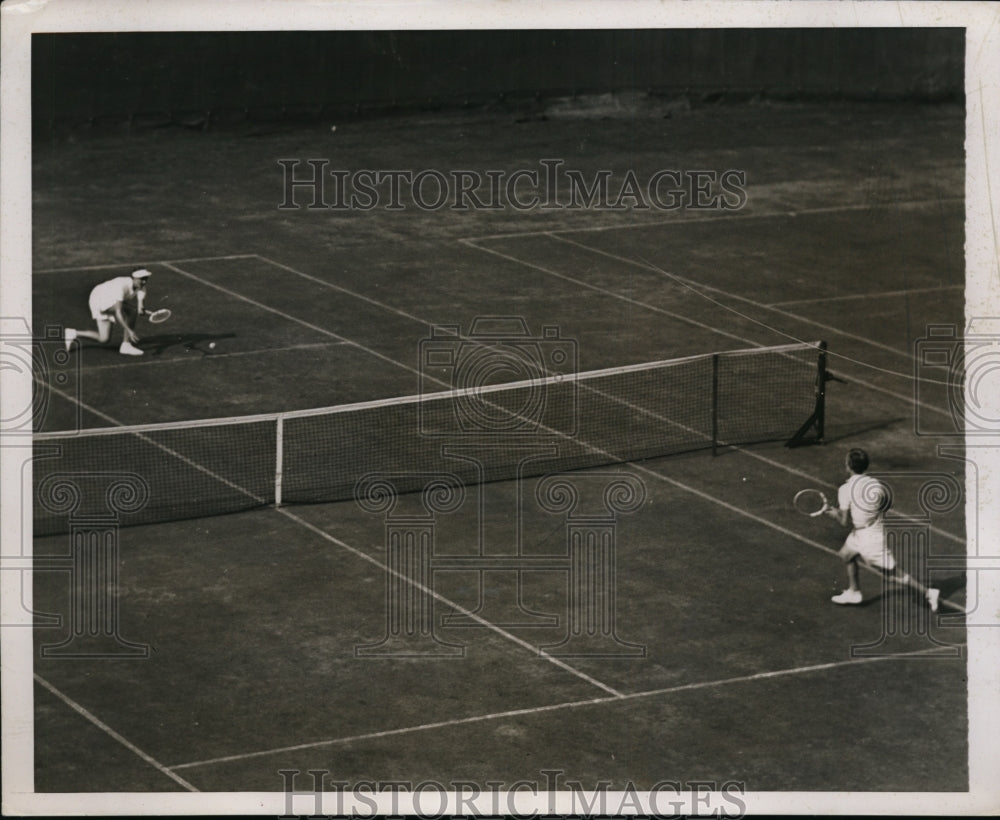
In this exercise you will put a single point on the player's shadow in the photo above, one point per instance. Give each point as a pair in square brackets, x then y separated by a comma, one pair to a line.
[947, 586]
[158, 345]
[874, 598]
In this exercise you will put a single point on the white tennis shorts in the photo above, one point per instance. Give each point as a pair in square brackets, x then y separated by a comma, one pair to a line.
[97, 312]
[869, 543]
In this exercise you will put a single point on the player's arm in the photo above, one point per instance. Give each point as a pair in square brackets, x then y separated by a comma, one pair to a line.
[838, 515]
[130, 335]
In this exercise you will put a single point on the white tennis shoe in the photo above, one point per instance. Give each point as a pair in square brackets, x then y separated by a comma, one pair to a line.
[847, 597]
[129, 349]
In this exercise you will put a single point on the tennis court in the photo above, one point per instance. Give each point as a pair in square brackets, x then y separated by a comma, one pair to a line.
[718, 656]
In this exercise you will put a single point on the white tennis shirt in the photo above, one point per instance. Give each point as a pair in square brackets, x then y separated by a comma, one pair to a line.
[864, 496]
[104, 296]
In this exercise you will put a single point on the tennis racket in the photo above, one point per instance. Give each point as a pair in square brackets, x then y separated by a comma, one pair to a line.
[157, 316]
[811, 502]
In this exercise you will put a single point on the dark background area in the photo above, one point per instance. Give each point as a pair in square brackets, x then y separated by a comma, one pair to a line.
[150, 79]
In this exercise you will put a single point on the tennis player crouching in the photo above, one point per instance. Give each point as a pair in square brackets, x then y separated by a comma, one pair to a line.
[862, 502]
[111, 302]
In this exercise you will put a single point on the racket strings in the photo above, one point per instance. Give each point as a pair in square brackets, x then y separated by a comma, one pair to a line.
[157, 316]
[811, 502]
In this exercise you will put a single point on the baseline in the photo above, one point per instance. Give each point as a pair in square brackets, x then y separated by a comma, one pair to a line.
[76, 707]
[535, 710]
[112, 265]
[826, 209]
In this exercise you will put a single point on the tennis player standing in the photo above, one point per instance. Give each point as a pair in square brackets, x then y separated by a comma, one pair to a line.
[112, 302]
[862, 502]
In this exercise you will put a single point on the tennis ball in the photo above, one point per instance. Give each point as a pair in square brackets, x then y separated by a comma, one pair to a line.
[211, 346]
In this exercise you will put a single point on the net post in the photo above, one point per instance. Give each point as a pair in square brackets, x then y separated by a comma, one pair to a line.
[821, 379]
[715, 404]
[279, 438]
[818, 418]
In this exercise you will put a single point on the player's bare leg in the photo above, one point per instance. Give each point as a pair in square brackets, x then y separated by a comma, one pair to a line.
[851, 595]
[101, 335]
[930, 594]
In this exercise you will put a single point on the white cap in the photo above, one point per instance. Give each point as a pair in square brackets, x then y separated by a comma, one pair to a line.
[142, 273]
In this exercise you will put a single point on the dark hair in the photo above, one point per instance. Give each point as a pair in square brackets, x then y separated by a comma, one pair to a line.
[857, 460]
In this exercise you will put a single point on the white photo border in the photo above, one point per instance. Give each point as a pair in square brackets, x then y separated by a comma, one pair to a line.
[21, 18]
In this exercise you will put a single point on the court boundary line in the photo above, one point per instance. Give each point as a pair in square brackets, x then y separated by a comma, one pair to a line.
[633, 464]
[156, 360]
[695, 286]
[385, 568]
[772, 525]
[621, 297]
[390, 308]
[359, 346]
[691, 284]
[876, 295]
[580, 377]
[909, 399]
[161, 262]
[341, 289]
[823, 209]
[100, 724]
[141, 434]
[822, 481]
[532, 710]
[616, 695]
[464, 337]
[534, 650]
[278, 312]
[746, 341]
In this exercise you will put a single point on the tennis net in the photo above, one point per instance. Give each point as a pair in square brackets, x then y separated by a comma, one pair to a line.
[473, 435]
